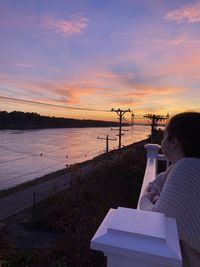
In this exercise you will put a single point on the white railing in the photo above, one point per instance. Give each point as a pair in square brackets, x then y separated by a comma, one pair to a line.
[151, 166]
[133, 237]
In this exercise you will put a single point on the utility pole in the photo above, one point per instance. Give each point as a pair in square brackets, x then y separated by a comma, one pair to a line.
[107, 139]
[132, 119]
[120, 113]
[154, 123]
[167, 118]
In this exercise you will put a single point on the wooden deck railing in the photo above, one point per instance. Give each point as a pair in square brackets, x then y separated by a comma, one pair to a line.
[133, 237]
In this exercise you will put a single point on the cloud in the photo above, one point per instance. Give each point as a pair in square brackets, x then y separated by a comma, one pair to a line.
[125, 90]
[54, 92]
[190, 13]
[117, 90]
[75, 24]
[22, 65]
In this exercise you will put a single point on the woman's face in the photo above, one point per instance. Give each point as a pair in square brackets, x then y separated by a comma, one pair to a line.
[171, 148]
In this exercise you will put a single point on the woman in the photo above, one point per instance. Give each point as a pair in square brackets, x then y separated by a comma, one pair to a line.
[176, 192]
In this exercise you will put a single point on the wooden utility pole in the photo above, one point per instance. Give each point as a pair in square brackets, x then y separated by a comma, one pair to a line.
[154, 123]
[167, 118]
[107, 140]
[132, 118]
[120, 114]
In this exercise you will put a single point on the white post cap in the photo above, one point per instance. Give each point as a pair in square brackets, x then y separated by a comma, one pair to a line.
[152, 150]
[139, 235]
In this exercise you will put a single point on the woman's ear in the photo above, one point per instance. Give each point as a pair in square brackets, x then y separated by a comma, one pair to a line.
[174, 140]
[175, 143]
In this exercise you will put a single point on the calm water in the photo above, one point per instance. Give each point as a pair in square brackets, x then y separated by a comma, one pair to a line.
[26, 155]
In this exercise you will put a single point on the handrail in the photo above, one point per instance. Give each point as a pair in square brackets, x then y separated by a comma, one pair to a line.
[151, 167]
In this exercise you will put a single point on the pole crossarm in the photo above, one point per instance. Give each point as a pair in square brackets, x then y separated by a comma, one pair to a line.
[154, 119]
[114, 139]
[107, 139]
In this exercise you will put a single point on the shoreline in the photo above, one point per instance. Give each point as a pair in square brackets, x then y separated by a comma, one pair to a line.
[71, 127]
[70, 169]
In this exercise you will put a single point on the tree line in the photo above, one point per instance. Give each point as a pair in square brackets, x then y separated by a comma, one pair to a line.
[32, 120]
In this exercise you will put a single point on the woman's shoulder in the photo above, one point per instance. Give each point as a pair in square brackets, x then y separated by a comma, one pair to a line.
[184, 168]
[188, 163]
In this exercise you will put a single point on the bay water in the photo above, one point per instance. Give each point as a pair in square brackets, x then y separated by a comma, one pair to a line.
[28, 154]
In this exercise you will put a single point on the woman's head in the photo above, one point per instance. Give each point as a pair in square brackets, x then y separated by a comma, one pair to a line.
[185, 129]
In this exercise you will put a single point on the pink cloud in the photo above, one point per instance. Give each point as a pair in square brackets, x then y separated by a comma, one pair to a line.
[190, 13]
[75, 24]
[87, 93]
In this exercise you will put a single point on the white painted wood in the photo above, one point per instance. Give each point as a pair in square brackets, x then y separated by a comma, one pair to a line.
[162, 157]
[130, 237]
[151, 166]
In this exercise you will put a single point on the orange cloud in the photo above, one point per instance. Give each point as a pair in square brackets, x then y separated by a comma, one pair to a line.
[115, 91]
[141, 94]
[127, 84]
[190, 13]
[55, 91]
[75, 24]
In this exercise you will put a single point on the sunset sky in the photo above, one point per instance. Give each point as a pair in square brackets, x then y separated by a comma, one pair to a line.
[98, 55]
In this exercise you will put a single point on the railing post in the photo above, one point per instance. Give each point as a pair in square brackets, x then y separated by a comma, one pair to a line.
[135, 238]
[152, 150]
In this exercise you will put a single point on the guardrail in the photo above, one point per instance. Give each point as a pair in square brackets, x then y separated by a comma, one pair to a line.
[133, 237]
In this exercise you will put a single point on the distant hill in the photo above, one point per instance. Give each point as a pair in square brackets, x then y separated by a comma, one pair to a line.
[32, 120]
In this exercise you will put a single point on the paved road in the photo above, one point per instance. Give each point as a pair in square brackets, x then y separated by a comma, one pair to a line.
[23, 199]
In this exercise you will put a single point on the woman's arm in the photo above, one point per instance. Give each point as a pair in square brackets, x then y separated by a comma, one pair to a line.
[153, 190]
[180, 199]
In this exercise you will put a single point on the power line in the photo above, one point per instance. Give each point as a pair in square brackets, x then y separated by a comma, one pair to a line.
[15, 100]
[41, 170]
[42, 154]
[13, 150]
[30, 156]
[11, 160]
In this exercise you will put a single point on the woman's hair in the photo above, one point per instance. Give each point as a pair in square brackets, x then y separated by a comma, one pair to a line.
[186, 128]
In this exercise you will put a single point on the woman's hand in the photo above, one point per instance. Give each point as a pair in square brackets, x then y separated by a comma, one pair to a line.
[153, 197]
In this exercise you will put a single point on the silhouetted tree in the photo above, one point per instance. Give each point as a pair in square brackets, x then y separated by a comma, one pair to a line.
[32, 120]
